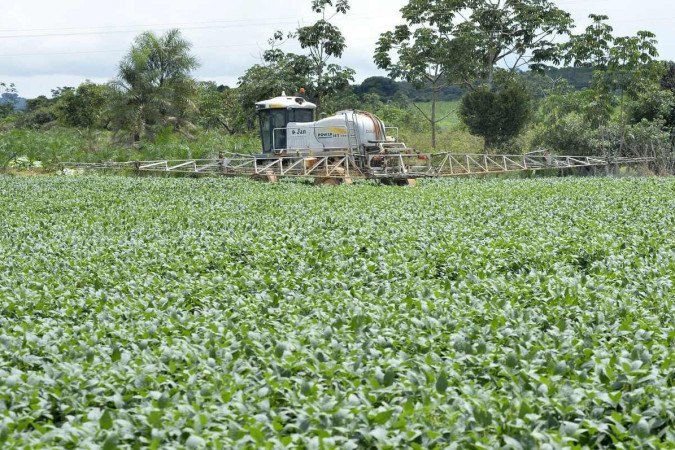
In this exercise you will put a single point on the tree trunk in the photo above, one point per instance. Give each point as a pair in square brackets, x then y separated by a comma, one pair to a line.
[318, 91]
[623, 126]
[491, 69]
[227, 127]
[434, 96]
[90, 140]
[614, 168]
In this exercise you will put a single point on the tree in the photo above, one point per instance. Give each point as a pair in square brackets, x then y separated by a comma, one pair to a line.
[668, 79]
[497, 114]
[41, 111]
[8, 97]
[345, 99]
[279, 72]
[84, 108]
[421, 57]
[623, 64]
[486, 34]
[668, 84]
[220, 107]
[154, 87]
[325, 41]
[595, 107]
[39, 102]
[463, 41]
[568, 120]
[653, 104]
[59, 91]
[383, 86]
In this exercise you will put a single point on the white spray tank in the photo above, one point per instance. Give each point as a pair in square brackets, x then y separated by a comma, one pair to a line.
[355, 131]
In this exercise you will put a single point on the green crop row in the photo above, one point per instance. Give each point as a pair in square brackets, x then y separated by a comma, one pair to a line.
[217, 313]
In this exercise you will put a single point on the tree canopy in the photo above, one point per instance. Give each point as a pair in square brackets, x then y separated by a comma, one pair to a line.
[323, 42]
[154, 87]
[479, 35]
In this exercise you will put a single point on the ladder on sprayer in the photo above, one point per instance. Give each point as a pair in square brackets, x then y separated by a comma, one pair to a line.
[353, 139]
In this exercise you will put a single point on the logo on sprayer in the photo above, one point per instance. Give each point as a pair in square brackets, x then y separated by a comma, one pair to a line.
[333, 132]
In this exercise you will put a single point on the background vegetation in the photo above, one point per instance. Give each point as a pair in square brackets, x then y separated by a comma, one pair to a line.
[613, 98]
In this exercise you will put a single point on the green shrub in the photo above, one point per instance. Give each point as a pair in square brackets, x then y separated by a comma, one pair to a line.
[497, 115]
[569, 135]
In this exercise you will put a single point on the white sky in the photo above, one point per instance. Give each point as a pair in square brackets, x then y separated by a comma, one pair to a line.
[50, 43]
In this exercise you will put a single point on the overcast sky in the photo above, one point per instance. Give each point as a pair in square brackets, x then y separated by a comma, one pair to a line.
[49, 43]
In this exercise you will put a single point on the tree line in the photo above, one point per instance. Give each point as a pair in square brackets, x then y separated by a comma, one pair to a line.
[524, 78]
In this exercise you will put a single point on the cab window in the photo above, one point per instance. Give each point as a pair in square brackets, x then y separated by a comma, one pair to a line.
[301, 115]
[279, 123]
[265, 130]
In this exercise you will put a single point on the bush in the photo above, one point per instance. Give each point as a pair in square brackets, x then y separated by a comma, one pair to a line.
[404, 119]
[653, 104]
[569, 135]
[36, 119]
[644, 139]
[572, 135]
[497, 115]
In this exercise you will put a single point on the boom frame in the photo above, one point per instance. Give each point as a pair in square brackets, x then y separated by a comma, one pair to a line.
[390, 163]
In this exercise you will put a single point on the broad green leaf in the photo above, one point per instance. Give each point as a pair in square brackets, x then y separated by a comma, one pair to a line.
[442, 383]
[106, 420]
[383, 416]
[110, 442]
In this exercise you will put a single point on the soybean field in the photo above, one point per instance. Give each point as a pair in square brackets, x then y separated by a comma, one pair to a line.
[220, 313]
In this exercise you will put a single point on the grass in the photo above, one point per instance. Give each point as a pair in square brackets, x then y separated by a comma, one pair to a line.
[448, 140]
[451, 135]
[446, 109]
[45, 149]
[23, 148]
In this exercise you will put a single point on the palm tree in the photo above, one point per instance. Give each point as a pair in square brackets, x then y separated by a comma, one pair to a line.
[154, 87]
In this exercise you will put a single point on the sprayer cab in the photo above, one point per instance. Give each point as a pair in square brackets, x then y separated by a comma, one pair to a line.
[276, 114]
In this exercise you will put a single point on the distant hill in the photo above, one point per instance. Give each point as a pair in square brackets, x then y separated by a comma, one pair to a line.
[388, 89]
[578, 77]
[19, 102]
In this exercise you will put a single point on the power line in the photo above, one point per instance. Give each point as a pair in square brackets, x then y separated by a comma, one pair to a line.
[86, 52]
[174, 24]
[227, 24]
[231, 24]
[94, 33]
[169, 24]
[205, 25]
[199, 47]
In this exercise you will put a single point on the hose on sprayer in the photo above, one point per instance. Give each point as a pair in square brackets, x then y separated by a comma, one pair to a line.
[377, 124]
